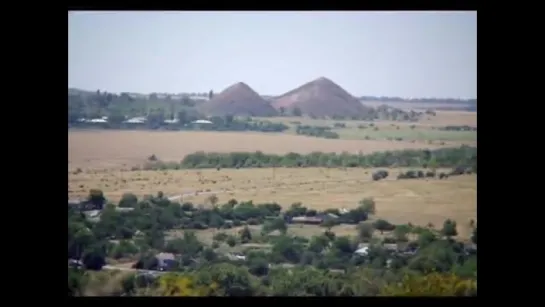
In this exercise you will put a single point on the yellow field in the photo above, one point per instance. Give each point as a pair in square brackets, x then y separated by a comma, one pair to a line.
[109, 149]
[399, 201]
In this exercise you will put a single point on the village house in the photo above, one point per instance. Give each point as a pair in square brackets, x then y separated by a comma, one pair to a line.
[165, 261]
[312, 220]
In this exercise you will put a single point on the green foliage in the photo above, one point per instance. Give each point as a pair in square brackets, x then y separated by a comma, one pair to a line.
[128, 200]
[368, 205]
[445, 157]
[365, 231]
[383, 225]
[274, 265]
[449, 228]
[316, 131]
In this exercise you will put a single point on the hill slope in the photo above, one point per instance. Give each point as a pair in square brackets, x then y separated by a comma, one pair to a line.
[321, 97]
[238, 99]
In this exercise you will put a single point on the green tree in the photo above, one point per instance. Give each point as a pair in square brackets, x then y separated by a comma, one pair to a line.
[258, 267]
[449, 229]
[245, 235]
[368, 205]
[365, 231]
[276, 224]
[383, 225]
[128, 200]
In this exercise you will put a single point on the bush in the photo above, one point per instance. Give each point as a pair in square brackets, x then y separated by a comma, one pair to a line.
[221, 236]
[128, 200]
[365, 231]
[368, 205]
[380, 174]
[383, 225]
[430, 174]
[187, 207]
[231, 241]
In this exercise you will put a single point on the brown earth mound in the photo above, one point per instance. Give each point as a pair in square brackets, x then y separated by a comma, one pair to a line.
[238, 99]
[321, 97]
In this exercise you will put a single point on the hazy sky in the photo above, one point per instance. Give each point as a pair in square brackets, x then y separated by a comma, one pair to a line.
[407, 54]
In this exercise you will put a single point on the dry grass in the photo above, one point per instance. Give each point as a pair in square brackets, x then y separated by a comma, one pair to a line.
[102, 149]
[422, 131]
[400, 201]
[452, 118]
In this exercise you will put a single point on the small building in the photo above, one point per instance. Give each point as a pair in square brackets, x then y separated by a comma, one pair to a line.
[84, 205]
[124, 209]
[363, 251]
[236, 257]
[470, 249]
[171, 121]
[136, 120]
[201, 122]
[165, 261]
[312, 220]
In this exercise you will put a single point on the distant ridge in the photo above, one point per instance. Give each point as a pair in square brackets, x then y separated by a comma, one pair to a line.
[321, 97]
[238, 99]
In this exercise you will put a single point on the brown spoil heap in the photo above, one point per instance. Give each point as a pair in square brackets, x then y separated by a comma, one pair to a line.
[321, 97]
[239, 100]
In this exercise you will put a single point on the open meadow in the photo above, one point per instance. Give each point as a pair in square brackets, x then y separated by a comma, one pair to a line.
[427, 129]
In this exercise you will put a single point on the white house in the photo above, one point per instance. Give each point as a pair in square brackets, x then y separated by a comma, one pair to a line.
[364, 251]
[202, 122]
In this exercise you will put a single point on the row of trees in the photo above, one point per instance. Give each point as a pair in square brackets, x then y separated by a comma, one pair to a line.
[445, 157]
[316, 131]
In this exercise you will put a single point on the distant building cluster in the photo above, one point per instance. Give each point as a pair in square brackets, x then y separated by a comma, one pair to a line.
[139, 120]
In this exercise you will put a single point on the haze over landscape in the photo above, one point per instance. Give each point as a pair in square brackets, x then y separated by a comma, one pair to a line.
[272, 154]
[404, 54]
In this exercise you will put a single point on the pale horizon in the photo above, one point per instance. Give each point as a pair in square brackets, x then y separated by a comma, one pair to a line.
[401, 54]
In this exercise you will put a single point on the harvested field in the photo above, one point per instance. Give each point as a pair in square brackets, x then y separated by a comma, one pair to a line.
[454, 118]
[416, 106]
[426, 130]
[400, 201]
[103, 149]
[441, 119]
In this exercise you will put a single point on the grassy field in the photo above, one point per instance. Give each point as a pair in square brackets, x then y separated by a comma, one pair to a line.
[109, 149]
[424, 130]
[400, 201]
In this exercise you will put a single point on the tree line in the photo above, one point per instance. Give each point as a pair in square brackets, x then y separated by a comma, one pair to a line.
[443, 157]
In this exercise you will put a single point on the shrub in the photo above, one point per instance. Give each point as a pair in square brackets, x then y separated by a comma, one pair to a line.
[380, 174]
[231, 241]
[365, 231]
[368, 205]
[383, 225]
[128, 200]
[434, 284]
